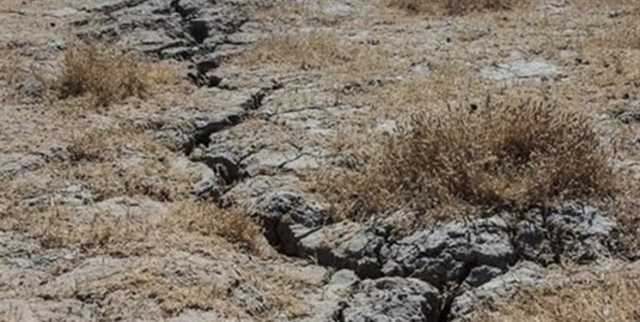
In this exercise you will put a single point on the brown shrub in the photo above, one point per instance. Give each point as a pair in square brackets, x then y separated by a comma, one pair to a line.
[497, 157]
[451, 7]
[107, 75]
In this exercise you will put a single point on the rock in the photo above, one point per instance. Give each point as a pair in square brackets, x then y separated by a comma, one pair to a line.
[346, 245]
[63, 12]
[482, 274]
[629, 117]
[630, 112]
[343, 278]
[91, 270]
[124, 208]
[288, 217]
[224, 166]
[525, 273]
[573, 232]
[201, 316]
[450, 252]
[183, 29]
[12, 164]
[32, 89]
[391, 299]
[37, 310]
[520, 68]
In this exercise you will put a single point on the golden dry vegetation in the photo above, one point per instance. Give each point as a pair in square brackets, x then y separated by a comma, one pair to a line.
[106, 75]
[189, 226]
[496, 157]
[605, 297]
[334, 56]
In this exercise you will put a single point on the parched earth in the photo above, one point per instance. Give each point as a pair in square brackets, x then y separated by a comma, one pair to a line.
[138, 211]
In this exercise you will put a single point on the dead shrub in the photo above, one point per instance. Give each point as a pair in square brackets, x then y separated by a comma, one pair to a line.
[107, 75]
[497, 157]
[451, 7]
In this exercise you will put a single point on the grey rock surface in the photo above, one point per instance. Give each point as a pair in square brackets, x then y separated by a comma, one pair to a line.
[12, 164]
[450, 252]
[574, 231]
[536, 68]
[391, 299]
[522, 275]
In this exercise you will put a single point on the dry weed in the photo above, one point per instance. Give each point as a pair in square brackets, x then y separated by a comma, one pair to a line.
[500, 156]
[107, 75]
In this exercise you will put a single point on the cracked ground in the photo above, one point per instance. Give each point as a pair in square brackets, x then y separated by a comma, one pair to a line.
[200, 160]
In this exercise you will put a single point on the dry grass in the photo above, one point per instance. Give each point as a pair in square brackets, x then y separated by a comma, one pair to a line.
[316, 51]
[621, 32]
[150, 282]
[107, 75]
[14, 70]
[188, 225]
[108, 144]
[296, 13]
[452, 7]
[206, 220]
[499, 156]
[123, 162]
[149, 178]
[612, 297]
[448, 83]
[605, 5]
[13, 67]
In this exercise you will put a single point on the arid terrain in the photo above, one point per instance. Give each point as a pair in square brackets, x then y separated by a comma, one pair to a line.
[328, 160]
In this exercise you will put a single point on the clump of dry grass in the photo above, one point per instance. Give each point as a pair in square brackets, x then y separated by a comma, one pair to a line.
[206, 219]
[611, 297]
[497, 157]
[107, 75]
[451, 7]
